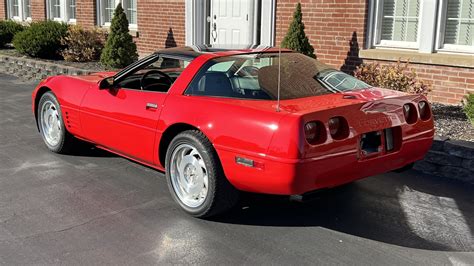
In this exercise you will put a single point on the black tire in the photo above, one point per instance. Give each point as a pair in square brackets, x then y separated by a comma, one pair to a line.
[66, 140]
[221, 195]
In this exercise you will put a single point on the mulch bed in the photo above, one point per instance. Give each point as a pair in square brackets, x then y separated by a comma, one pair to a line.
[452, 122]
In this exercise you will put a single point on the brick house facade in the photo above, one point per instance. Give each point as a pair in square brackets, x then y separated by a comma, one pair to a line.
[344, 33]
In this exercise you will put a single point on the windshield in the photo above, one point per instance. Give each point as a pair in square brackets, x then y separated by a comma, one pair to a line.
[255, 76]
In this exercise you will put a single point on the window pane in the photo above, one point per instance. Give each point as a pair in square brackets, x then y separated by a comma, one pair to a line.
[72, 9]
[15, 8]
[56, 9]
[459, 22]
[109, 10]
[400, 20]
[130, 7]
[26, 9]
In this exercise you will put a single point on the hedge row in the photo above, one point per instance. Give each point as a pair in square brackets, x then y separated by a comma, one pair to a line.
[54, 40]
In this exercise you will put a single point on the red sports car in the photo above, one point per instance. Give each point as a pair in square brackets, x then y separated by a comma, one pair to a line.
[212, 119]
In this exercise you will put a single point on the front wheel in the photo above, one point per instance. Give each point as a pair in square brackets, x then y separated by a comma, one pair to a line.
[195, 176]
[51, 125]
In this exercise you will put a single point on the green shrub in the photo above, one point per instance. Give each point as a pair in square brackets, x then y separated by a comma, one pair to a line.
[8, 29]
[41, 39]
[120, 50]
[394, 76]
[469, 107]
[83, 45]
[296, 38]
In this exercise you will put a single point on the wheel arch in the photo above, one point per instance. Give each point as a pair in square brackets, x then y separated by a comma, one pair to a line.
[42, 90]
[169, 134]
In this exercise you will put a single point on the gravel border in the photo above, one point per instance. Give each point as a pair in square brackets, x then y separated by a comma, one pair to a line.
[451, 122]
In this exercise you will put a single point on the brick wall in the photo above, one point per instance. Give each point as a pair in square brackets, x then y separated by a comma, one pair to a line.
[449, 84]
[38, 10]
[3, 10]
[335, 28]
[86, 13]
[160, 24]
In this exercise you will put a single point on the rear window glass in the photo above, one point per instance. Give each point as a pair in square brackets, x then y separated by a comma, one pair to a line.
[255, 76]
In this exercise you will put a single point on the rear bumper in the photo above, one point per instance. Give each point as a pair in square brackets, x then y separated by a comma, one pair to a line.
[289, 177]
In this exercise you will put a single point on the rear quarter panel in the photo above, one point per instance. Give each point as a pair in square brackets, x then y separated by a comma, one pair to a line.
[233, 129]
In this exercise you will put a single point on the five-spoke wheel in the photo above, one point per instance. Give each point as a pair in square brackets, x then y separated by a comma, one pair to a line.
[195, 176]
[51, 125]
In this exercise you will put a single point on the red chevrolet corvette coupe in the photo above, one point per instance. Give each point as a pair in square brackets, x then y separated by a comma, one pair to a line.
[220, 121]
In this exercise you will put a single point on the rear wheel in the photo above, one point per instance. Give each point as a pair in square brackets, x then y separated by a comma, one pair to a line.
[195, 177]
[51, 125]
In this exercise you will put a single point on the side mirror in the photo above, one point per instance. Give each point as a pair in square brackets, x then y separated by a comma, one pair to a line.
[106, 83]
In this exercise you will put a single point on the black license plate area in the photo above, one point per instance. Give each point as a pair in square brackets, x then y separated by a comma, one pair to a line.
[371, 143]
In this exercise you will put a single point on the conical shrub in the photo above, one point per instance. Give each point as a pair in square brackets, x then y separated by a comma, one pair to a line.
[120, 50]
[296, 38]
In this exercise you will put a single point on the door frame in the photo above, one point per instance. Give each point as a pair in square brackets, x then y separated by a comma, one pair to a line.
[197, 25]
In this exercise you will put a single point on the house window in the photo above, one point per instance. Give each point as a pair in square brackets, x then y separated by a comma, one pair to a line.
[107, 8]
[398, 23]
[62, 10]
[19, 9]
[424, 25]
[457, 25]
[72, 9]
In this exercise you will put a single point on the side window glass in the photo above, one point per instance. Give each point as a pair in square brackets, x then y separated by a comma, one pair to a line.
[157, 76]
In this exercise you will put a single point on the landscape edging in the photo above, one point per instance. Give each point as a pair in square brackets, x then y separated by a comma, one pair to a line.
[32, 69]
[450, 159]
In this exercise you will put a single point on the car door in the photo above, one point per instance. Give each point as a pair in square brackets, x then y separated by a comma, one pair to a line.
[123, 120]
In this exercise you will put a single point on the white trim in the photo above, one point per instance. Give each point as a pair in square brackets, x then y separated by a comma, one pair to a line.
[267, 22]
[21, 11]
[428, 19]
[64, 12]
[439, 43]
[100, 11]
[196, 18]
[195, 22]
[377, 40]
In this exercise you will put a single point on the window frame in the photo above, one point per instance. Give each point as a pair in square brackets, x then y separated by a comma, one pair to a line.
[378, 42]
[101, 14]
[21, 11]
[441, 28]
[64, 12]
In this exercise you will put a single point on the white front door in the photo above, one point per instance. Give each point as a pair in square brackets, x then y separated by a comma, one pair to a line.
[232, 23]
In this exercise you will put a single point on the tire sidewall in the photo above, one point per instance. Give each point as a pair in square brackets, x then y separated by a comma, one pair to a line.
[51, 97]
[209, 160]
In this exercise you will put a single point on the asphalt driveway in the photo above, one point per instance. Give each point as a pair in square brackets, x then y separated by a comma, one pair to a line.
[96, 208]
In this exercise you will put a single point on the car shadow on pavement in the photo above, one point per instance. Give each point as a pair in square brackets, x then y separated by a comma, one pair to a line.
[84, 149]
[410, 210]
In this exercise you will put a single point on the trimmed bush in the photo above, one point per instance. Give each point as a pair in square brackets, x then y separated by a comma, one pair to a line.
[83, 45]
[469, 107]
[8, 29]
[296, 38]
[41, 39]
[395, 76]
[120, 50]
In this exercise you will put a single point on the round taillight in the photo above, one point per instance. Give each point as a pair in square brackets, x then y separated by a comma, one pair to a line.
[425, 112]
[315, 132]
[409, 111]
[338, 127]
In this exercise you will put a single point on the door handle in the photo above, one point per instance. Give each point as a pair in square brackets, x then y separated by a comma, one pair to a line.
[151, 106]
